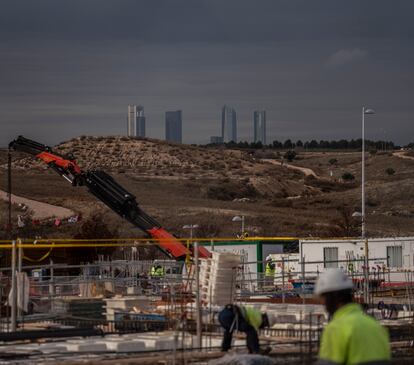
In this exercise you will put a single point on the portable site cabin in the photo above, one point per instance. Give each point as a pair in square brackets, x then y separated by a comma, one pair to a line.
[393, 255]
[255, 250]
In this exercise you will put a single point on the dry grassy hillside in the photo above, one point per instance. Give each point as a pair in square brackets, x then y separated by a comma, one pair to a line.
[181, 184]
[237, 170]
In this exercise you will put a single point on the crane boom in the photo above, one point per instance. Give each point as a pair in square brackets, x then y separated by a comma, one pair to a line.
[107, 190]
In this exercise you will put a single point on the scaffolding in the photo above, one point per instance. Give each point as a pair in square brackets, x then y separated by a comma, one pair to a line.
[123, 296]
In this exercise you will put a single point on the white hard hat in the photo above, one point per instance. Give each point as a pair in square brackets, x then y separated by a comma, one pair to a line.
[332, 280]
[269, 257]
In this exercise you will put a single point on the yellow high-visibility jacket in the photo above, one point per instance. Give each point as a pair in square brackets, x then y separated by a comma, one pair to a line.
[252, 316]
[157, 271]
[270, 269]
[352, 338]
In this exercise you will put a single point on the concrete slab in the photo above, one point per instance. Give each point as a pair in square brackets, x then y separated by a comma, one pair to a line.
[53, 348]
[125, 346]
[86, 347]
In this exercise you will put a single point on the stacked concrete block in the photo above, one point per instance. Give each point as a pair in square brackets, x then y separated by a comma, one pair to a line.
[125, 345]
[126, 304]
[79, 306]
[218, 278]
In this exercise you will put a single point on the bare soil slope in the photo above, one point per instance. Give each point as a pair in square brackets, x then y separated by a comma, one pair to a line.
[181, 184]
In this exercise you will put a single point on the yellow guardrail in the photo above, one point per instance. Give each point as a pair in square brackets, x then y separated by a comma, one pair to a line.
[120, 242]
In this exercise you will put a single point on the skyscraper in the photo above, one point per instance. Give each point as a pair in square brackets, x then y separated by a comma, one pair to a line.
[228, 124]
[259, 125]
[136, 121]
[173, 126]
[140, 127]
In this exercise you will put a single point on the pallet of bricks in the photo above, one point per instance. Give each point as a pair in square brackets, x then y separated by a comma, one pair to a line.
[218, 276]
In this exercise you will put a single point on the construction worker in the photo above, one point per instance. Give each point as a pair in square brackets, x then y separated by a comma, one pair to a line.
[157, 271]
[244, 319]
[270, 270]
[351, 337]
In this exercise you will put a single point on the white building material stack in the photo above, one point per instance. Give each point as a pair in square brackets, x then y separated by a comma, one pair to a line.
[218, 278]
[126, 304]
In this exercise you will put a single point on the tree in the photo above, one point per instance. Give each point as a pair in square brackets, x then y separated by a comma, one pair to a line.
[93, 227]
[256, 145]
[277, 144]
[313, 144]
[288, 144]
[345, 225]
[290, 155]
[390, 171]
[324, 144]
[299, 143]
[347, 176]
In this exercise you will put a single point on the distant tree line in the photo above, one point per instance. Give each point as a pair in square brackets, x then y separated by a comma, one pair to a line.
[342, 144]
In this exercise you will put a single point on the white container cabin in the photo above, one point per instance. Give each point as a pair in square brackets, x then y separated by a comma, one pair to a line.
[390, 258]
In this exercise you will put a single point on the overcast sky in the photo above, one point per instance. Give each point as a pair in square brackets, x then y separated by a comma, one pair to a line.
[69, 68]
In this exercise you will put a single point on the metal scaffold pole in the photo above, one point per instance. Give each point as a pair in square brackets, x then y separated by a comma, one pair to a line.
[197, 284]
[20, 287]
[13, 289]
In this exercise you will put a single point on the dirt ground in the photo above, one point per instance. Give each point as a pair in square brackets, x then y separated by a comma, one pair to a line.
[185, 184]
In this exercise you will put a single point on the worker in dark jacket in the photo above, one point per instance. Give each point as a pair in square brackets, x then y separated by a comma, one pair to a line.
[351, 337]
[244, 319]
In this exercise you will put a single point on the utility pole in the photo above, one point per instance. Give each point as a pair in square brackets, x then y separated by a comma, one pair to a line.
[9, 189]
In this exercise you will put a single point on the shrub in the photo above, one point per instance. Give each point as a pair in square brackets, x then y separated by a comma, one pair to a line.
[209, 229]
[390, 171]
[345, 225]
[281, 203]
[347, 176]
[333, 161]
[95, 226]
[290, 155]
[231, 190]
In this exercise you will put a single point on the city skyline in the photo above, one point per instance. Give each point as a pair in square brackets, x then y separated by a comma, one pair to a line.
[310, 65]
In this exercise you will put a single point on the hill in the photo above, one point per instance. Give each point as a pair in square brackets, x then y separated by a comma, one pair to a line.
[182, 184]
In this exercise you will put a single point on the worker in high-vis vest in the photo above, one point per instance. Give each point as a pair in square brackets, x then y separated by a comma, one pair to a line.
[244, 319]
[157, 271]
[351, 337]
[270, 269]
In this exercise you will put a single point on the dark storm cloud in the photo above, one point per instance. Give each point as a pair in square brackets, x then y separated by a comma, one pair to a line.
[71, 67]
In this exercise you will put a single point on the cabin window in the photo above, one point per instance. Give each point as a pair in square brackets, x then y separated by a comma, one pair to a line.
[394, 256]
[330, 254]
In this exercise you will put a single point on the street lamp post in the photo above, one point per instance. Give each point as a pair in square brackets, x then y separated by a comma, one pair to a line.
[364, 112]
[191, 227]
[363, 215]
[239, 218]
